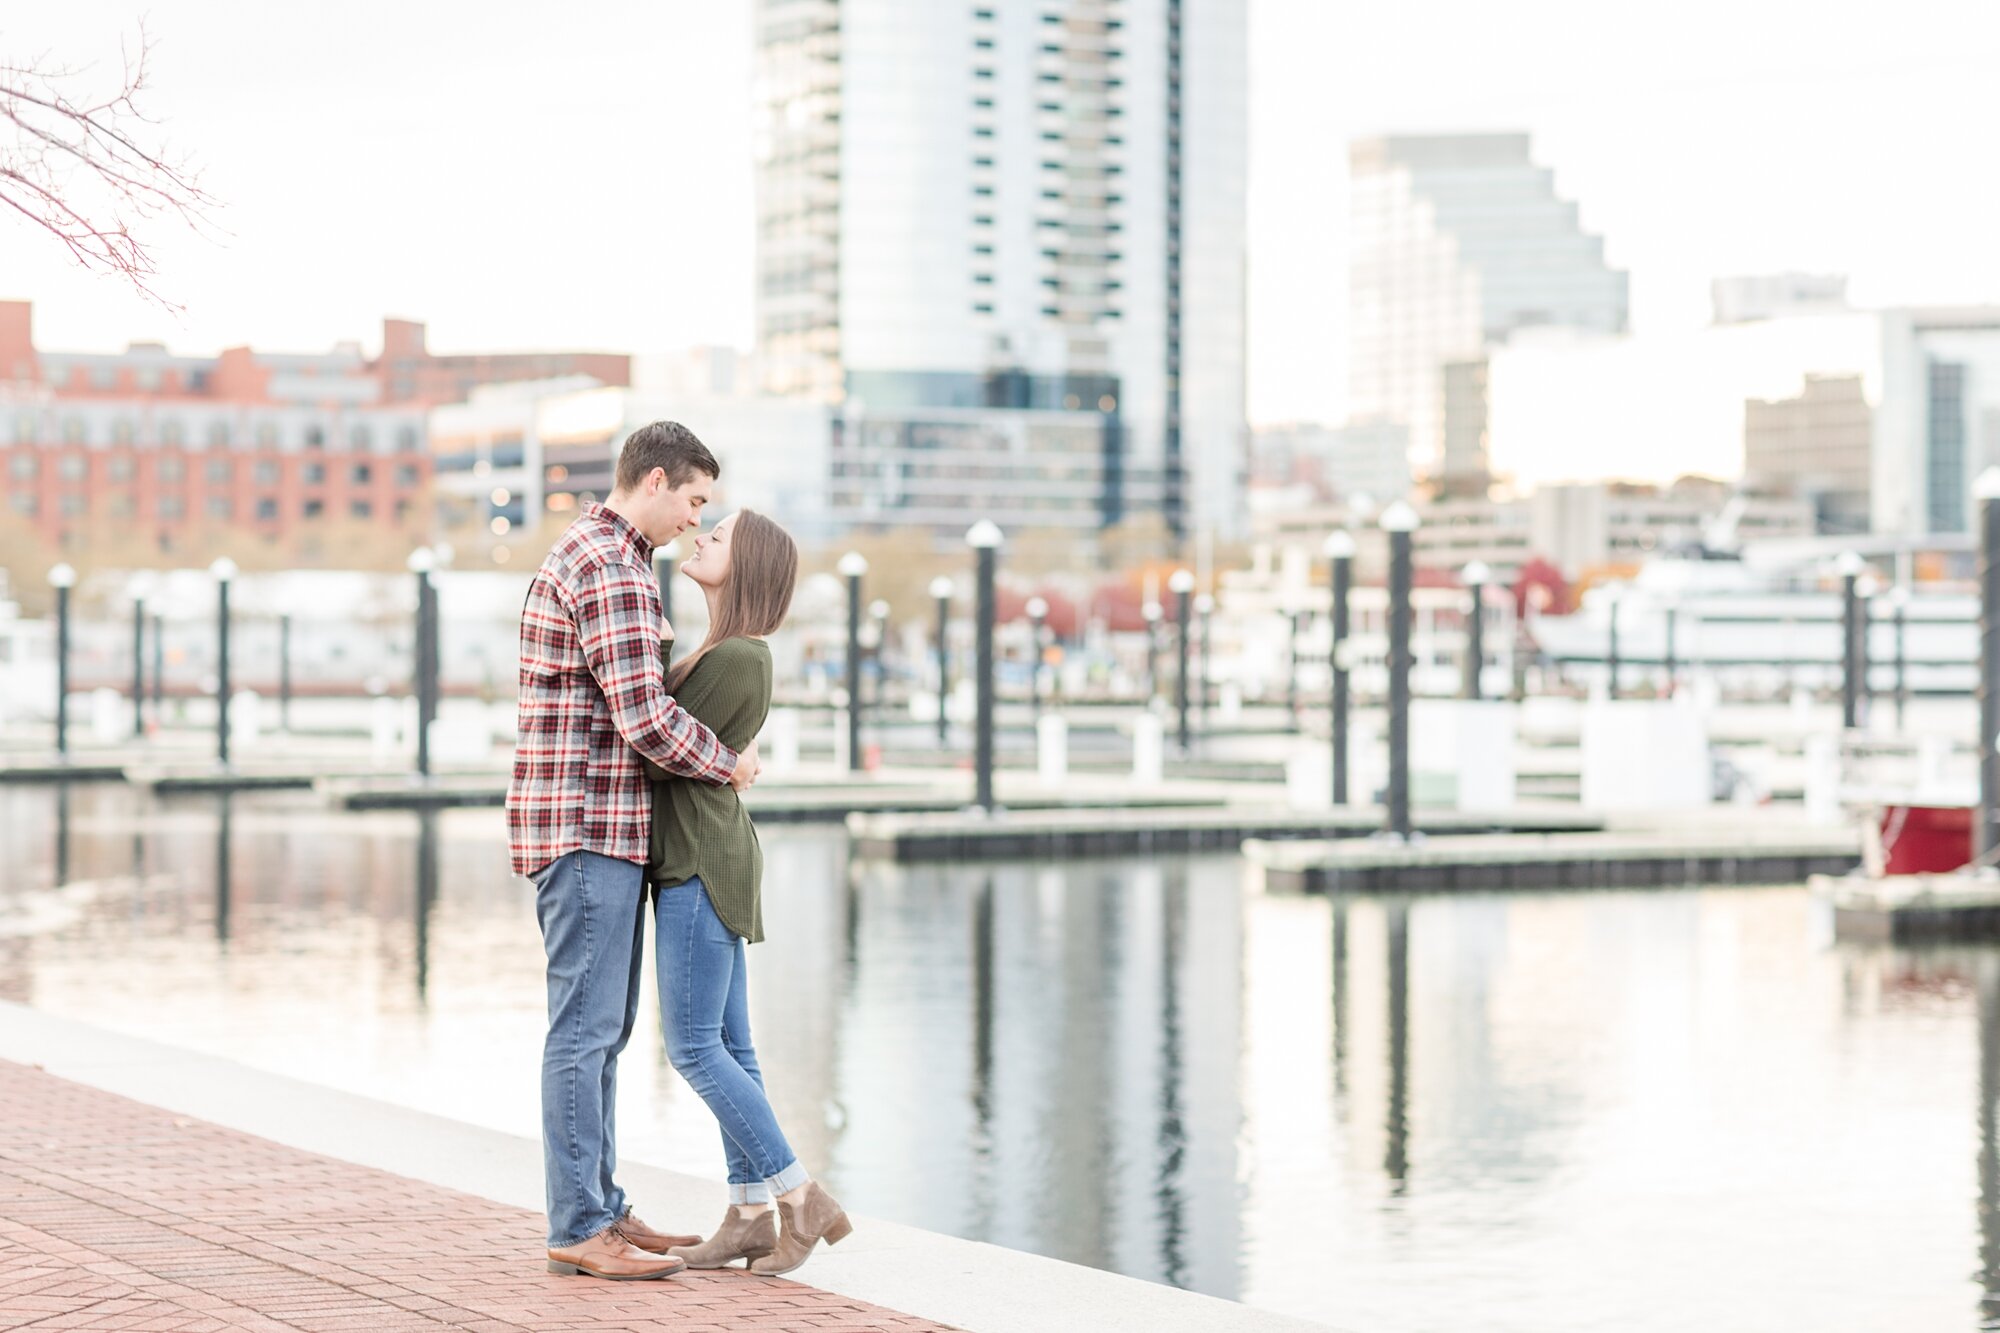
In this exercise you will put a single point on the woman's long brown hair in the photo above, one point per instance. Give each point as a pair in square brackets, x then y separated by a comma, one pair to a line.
[763, 567]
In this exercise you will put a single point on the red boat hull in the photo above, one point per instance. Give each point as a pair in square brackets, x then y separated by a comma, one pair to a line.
[1926, 839]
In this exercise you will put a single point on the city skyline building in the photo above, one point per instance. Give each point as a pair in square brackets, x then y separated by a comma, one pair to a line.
[1014, 206]
[1458, 242]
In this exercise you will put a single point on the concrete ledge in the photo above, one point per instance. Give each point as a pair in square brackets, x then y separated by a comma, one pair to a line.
[976, 1286]
[1616, 859]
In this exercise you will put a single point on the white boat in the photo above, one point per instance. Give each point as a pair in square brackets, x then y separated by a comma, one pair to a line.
[1759, 631]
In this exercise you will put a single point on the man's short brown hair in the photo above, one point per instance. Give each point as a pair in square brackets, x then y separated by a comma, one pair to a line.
[668, 445]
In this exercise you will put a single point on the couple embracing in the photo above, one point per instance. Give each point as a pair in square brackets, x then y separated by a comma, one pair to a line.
[626, 790]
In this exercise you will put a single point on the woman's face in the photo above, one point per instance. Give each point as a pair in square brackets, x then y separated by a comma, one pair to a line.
[709, 565]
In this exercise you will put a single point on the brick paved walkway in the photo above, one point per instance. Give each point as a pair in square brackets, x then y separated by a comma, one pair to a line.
[118, 1215]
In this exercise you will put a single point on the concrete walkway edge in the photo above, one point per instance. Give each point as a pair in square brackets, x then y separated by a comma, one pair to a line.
[977, 1286]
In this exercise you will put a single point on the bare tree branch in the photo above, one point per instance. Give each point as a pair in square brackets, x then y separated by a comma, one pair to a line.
[83, 170]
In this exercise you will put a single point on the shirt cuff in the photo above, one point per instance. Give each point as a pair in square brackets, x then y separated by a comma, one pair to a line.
[725, 764]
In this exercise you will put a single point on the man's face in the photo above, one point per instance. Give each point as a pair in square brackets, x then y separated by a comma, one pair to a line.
[673, 510]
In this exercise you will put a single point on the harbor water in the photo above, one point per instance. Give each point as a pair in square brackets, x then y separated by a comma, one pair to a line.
[1631, 1110]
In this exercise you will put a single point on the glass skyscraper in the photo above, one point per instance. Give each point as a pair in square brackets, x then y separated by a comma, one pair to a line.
[999, 204]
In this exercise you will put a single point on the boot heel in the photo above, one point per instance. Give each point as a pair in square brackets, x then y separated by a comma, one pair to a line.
[567, 1270]
[839, 1231]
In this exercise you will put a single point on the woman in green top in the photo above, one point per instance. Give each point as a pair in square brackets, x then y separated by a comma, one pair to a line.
[706, 870]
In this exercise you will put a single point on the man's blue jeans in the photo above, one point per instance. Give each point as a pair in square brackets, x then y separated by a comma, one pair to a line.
[705, 1015]
[593, 914]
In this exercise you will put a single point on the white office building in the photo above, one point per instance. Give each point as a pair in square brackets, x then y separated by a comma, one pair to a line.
[1457, 242]
[1011, 205]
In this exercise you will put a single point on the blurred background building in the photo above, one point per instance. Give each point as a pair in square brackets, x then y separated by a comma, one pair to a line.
[1457, 242]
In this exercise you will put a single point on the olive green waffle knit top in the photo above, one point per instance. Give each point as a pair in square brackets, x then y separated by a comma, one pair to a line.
[703, 830]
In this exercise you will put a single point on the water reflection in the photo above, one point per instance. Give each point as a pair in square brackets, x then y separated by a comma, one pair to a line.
[1173, 1133]
[1147, 1065]
[982, 1185]
[1989, 1140]
[62, 800]
[426, 898]
[1396, 1159]
[225, 805]
[1338, 911]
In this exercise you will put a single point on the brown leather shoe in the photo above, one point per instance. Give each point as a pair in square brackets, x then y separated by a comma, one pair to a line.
[609, 1255]
[817, 1218]
[647, 1239]
[738, 1237]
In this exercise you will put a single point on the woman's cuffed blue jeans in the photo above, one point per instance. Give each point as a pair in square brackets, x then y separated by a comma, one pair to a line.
[593, 914]
[705, 1015]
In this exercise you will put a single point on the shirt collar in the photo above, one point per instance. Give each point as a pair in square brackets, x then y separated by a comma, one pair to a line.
[624, 529]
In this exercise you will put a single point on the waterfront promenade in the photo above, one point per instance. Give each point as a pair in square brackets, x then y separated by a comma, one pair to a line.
[145, 1186]
[119, 1215]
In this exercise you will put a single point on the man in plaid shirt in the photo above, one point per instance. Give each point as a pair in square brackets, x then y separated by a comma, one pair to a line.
[593, 701]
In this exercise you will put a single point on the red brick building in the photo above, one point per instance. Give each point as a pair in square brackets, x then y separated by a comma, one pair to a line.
[184, 453]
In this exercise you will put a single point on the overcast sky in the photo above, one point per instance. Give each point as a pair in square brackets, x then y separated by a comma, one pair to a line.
[527, 175]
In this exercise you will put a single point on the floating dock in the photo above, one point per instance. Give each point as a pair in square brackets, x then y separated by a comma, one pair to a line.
[1956, 908]
[1621, 858]
[1015, 833]
[52, 771]
[818, 803]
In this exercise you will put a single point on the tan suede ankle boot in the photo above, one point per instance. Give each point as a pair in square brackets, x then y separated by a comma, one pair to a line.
[817, 1218]
[738, 1237]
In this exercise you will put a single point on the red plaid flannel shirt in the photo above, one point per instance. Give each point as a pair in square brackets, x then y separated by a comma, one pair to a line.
[594, 699]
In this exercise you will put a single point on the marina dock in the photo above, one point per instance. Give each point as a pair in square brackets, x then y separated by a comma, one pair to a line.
[1620, 858]
[1954, 908]
[1015, 833]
